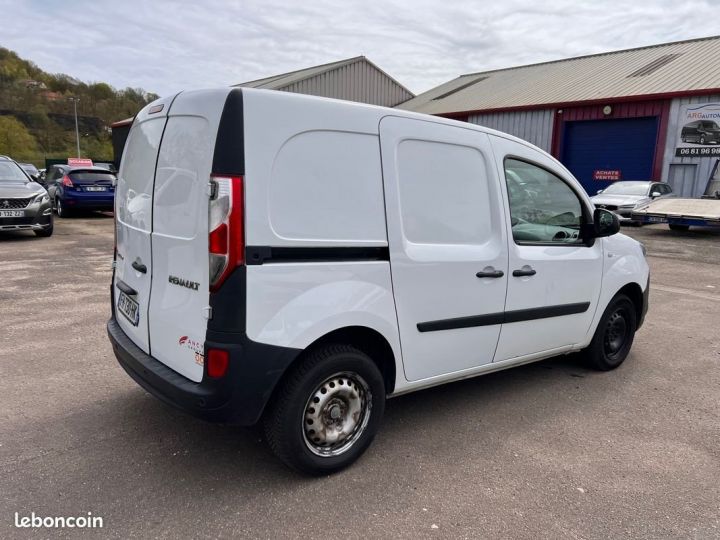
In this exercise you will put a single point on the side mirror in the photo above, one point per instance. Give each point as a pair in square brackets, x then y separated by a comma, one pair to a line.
[599, 191]
[655, 194]
[605, 223]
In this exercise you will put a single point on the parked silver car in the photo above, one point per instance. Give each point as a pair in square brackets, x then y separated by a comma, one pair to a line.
[24, 204]
[623, 197]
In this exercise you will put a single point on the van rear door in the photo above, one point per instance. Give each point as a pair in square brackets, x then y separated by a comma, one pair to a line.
[133, 222]
[180, 299]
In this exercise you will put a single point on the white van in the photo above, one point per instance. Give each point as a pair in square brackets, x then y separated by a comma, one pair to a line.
[296, 260]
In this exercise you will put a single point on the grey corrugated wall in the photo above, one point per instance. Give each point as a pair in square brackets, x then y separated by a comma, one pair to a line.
[533, 126]
[679, 171]
[358, 81]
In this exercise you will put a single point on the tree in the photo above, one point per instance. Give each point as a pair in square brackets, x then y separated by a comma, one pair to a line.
[15, 139]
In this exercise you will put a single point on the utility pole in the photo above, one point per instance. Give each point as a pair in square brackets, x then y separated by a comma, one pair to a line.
[77, 132]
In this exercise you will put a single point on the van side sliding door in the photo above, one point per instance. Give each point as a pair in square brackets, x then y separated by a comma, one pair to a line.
[448, 245]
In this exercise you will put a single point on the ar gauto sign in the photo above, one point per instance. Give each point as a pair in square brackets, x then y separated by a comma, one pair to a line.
[698, 131]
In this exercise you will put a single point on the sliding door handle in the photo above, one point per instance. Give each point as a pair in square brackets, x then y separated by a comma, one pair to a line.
[140, 267]
[490, 273]
[524, 271]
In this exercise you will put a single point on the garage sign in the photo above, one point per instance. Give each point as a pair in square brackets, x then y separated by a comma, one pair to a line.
[698, 131]
[607, 174]
[79, 162]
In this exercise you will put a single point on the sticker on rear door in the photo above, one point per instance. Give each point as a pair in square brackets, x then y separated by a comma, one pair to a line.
[195, 346]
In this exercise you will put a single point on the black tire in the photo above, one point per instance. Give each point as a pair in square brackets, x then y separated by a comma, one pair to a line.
[614, 335]
[62, 212]
[702, 139]
[678, 227]
[288, 421]
[45, 233]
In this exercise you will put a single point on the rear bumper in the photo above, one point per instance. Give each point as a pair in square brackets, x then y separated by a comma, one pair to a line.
[88, 200]
[238, 398]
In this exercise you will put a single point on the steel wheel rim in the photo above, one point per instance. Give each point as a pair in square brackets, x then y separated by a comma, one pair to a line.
[336, 414]
[616, 332]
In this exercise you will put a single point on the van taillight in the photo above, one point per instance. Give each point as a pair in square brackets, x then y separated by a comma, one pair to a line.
[217, 363]
[226, 239]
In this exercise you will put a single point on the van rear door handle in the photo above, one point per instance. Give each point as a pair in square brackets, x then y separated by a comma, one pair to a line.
[140, 267]
[524, 271]
[124, 287]
[490, 274]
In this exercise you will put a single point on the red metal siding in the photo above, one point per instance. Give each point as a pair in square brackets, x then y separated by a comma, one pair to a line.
[632, 109]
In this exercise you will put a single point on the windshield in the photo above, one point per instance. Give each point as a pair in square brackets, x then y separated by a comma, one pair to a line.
[11, 172]
[29, 168]
[627, 188]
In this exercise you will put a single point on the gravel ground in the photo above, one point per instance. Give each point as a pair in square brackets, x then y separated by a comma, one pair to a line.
[549, 450]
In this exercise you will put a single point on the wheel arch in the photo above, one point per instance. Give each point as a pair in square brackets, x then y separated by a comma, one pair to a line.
[633, 291]
[366, 339]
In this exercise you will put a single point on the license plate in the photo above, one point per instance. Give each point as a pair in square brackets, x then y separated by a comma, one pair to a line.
[96, 188]
[129, 307]
[12, 213]
[655, 219]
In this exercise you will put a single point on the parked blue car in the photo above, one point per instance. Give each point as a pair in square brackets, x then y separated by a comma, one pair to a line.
[80, 188]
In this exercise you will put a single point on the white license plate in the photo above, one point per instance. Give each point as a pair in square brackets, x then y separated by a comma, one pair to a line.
[12, 213]
[655, 219]
[95, 188]
[129, 307]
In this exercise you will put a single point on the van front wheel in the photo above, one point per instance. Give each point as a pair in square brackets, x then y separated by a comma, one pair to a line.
[327, 411]
[614, 335]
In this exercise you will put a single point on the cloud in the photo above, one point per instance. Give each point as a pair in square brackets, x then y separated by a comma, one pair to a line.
[165, 46]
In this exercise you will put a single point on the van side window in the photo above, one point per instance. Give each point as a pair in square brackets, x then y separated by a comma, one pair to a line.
[543, 208]
[443, 193]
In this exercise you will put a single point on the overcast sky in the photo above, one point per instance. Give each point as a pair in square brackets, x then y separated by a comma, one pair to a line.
[164, 46]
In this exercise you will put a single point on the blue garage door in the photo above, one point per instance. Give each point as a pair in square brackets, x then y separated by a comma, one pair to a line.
[626, 145]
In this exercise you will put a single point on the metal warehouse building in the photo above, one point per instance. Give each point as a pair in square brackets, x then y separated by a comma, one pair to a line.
[354, 79]
[638, 114]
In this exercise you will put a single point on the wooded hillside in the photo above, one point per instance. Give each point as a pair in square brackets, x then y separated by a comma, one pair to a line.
[36, 112]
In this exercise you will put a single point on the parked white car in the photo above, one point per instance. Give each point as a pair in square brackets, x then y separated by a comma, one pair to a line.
[298, 260]
[628, 195]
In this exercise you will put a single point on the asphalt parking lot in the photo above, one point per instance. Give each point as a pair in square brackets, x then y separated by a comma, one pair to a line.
[549, 450]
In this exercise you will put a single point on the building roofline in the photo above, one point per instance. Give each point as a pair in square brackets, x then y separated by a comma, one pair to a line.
[123, 122]
[582, 103]
[329, 66]
[393, 79]
[594, 55]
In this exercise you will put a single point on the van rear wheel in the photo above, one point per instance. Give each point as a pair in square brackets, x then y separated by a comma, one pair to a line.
[614, 335]
[327, 411]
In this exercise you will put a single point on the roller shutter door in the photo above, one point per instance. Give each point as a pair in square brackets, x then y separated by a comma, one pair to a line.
[626, 145]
